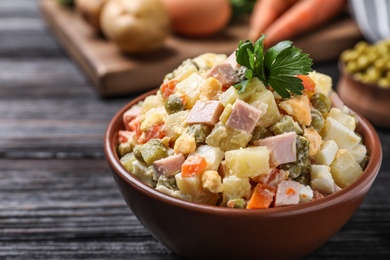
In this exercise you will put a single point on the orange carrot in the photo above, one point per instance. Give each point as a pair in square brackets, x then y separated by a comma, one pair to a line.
[304, 16]
[262, 197]
[264, 13]
[308, 84]
[193, 165]
[124, 136]
[155, 131]
[168, 88]
[135, 126]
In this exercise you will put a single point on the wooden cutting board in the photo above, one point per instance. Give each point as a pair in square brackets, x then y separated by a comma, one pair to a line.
[114, 73]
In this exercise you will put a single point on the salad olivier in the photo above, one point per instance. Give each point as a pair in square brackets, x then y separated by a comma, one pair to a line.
[255, 130]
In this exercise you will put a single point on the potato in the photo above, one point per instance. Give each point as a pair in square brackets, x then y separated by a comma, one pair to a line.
[272, 115]
[136, 26]
[345, 169]
[90, 10]
[248, 162]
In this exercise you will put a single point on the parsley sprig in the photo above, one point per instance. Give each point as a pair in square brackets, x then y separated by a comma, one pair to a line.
[277, 67]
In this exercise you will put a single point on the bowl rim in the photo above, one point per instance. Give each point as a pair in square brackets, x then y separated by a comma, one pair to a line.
[366, 179]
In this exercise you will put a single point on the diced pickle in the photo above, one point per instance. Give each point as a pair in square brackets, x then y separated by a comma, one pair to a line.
[227, 138]
[168, 182]
[317, 120]
[199, 132]
[260, 133]
[320, 102]
[152, 151]
[174, 104]
[124, 148]
[238, 203]
[284, 125]
[300, 169]
[127, 161]
[138, 154]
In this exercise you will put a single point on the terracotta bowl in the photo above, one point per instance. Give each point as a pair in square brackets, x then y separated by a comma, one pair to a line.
[198, 231]
[370, 100]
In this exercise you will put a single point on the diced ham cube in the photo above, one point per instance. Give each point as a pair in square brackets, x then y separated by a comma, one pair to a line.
[287, 193]
[232, 60]
[273, 178]
[131, 114]
[243, 116]
[282, 148]
[170, 165]
[205, 112]
[224, 73]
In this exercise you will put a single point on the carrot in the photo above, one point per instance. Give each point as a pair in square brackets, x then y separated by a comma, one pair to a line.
[193, 165]
[168, 88]
[304, 16]
[262, 197]
[154, 132]
[264, 13]
[124, 136]
[308, 84]
[135, 126]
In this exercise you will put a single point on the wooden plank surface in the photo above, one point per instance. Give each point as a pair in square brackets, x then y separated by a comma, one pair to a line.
[114, 73]
[58, 199]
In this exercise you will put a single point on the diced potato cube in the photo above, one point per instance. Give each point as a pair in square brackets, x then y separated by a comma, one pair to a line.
[208, 60]
[227, 138]
[359, 152]
[213, 156]
[152, 117]
[175, 124]
[190, 88]
[343, 118]
[248, 162]
[344, 137]
[314, 139]
[209, 89]
[229, 96]
[255, 85]
[184, 70]
[226, 113]
[321, 179]
[235, 187]
[211, 181]
[323, 82]
[299, 108]
[152, 101]
[272, 114]
[327, 153]
[189, 185]
[345, 169]
[305, 193]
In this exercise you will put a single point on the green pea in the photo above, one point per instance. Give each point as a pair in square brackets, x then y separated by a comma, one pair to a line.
[320, 102]
[174, 104]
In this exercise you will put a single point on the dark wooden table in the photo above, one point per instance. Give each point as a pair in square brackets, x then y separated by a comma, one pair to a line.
[58, 199]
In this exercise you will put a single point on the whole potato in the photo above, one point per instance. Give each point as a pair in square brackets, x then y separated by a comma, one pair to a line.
[90, 10]
[135, 26]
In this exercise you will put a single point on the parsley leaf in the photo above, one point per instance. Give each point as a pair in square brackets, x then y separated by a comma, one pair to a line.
[277, 67]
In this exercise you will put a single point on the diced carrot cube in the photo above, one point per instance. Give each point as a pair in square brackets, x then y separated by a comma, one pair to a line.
[262, 197]
[193, 165]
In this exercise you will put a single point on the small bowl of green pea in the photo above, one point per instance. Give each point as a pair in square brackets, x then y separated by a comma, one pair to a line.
[364, 83]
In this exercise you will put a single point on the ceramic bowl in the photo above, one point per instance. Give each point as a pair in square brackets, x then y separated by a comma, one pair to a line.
[197, 231]
[370, 100]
